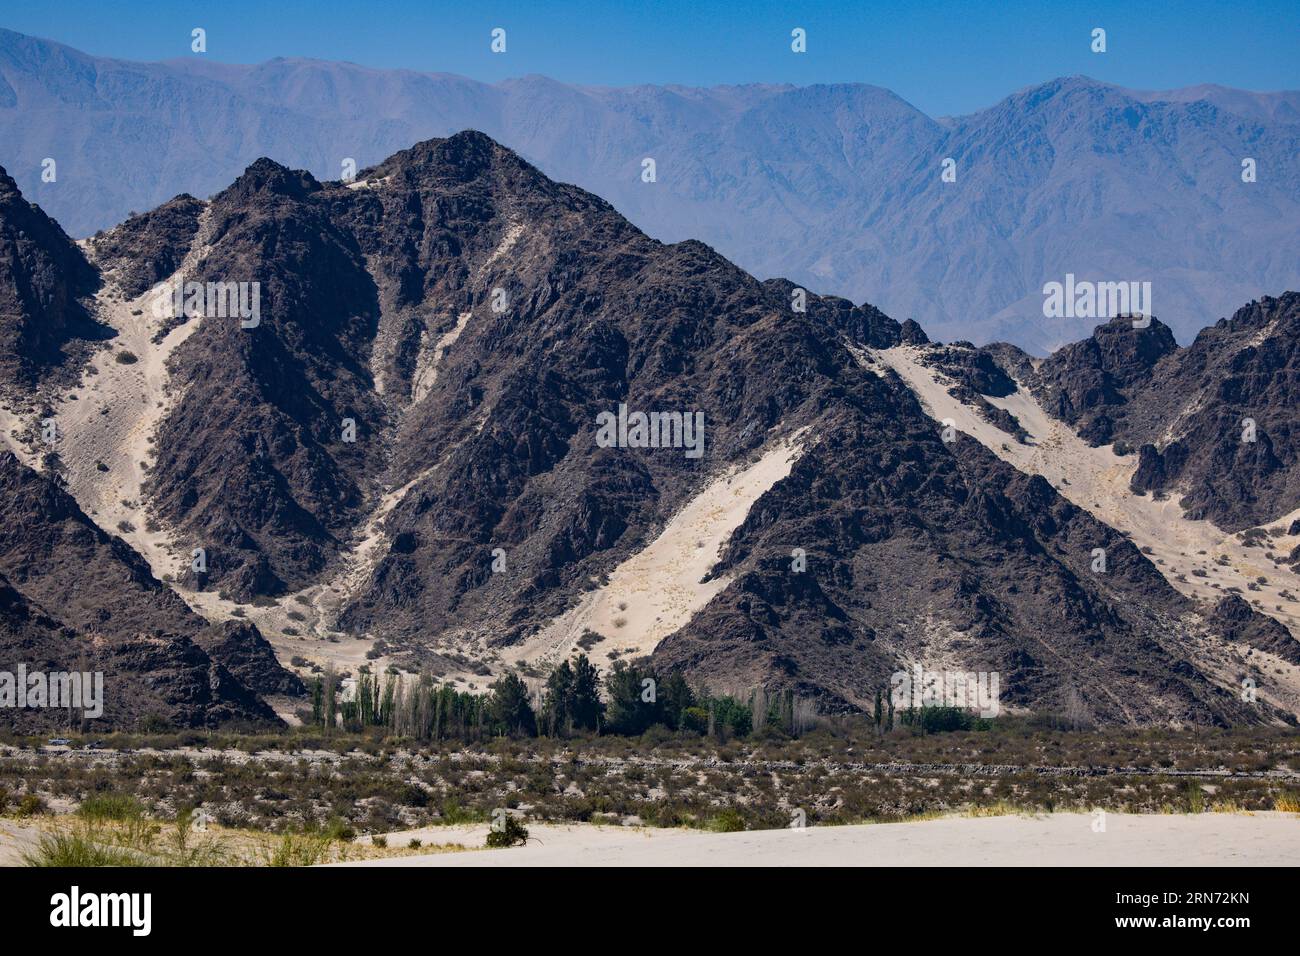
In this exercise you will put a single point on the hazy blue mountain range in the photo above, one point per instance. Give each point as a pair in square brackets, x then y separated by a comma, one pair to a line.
[835, 187]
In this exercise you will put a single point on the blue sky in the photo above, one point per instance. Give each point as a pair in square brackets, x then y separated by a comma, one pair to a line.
[944, 57]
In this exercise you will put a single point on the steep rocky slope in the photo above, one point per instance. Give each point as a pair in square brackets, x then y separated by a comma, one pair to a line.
[403, 460]
[43, 277]
[1225, 574]
[76, 598]
[150, 247]
[253, 462]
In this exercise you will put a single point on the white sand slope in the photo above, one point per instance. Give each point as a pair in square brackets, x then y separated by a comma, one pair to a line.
[430, 357]
[513, 231]
[17, 839]
[360, 562]
[312, 633]
[369, 183]
[106, 424]
[106, 433]
[657, 590]
[1062, 839]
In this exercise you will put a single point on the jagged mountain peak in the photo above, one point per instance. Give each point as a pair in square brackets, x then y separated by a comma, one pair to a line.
[1118, 355]
[1277, 314]
[469, 154]
[43, 279]
[471, 157]
[267, 176]
[8, 187]
[1213, 420]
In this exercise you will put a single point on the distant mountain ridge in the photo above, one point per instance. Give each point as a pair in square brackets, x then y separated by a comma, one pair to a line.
[836, 187]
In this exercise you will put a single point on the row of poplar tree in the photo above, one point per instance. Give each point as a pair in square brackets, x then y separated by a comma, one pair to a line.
[571, 701]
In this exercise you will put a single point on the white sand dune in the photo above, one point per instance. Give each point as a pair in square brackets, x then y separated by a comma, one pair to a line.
[657, 590]
[369, 183]
[106, 434]
[15, 840]
[1062, 839]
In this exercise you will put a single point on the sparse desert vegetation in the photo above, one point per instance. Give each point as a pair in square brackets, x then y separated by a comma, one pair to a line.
[301, 797]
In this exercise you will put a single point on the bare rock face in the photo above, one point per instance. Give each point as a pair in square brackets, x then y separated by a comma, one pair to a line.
[253, 462]
[149, 247]
[242, 650]
[1089, 383]
[1237, 621]
[76, 598]
[149, 681]
[44, 326]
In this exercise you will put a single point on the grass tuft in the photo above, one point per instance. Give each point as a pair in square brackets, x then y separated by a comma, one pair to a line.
[80, 849]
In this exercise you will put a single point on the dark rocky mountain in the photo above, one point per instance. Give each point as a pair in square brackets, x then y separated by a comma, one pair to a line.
[240, 648]
[472, 319]
[75, 597]
[498, 452]
[920, 551]
[1089, 383]
[1189, 410]
[148, 248]
[43, 277]
[1235, 621]
[254, 465]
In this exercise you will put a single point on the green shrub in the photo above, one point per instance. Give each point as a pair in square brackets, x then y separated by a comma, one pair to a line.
[696, 720]
[339, 829]
[935, 720]
[111, 806]
[30, 805]
[728, 820]
[511, 833]
[297, 850]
